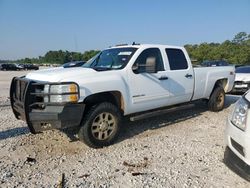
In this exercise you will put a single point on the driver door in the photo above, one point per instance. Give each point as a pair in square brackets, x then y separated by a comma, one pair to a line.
[149, 85]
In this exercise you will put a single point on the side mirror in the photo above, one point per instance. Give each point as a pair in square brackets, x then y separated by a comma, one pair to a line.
[135, 67]
[148, 67]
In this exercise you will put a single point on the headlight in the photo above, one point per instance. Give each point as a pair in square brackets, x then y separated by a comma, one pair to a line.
[239, 116]
[59, 93]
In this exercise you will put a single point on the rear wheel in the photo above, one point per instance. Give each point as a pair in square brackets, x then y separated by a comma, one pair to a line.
[101, 125]
[217, 99]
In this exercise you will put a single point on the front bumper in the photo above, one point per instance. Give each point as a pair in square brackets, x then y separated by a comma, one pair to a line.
[56, 117]
[28, 105]
[237, 154]
[238, 141]
[236, 164]
[239, 90]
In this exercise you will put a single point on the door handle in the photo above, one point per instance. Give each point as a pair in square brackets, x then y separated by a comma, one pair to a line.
[188, 75]
[163, 78]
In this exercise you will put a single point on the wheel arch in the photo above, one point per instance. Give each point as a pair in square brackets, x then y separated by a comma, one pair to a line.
[220, 83]
[114, 97]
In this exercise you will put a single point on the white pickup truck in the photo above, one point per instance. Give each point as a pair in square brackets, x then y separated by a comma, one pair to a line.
[119, 81]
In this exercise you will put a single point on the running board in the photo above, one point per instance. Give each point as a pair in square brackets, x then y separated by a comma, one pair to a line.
[160, 112]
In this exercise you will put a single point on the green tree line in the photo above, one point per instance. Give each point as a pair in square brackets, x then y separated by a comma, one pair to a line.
[57, 57]
[235, 51]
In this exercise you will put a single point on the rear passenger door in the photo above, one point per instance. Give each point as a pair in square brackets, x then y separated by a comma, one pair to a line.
[181, 76]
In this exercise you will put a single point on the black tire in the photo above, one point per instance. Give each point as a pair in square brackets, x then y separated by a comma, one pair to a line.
[217, 99]
[96, 131]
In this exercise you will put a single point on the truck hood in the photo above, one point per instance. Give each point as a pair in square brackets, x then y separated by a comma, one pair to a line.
[58, 74]
[242, 77]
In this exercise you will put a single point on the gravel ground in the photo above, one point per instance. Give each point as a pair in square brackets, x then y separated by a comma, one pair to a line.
[181, 149]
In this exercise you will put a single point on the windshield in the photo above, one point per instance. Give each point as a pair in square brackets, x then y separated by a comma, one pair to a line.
[116, 58]
[243, 70]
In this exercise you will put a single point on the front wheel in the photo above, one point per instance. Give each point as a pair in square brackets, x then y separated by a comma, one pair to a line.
[101, 125]
[217, 100]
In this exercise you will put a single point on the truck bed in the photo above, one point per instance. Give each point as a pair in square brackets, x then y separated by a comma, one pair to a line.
[205, 77]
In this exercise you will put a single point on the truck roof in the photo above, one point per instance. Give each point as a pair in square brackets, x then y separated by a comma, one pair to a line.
[146, 46]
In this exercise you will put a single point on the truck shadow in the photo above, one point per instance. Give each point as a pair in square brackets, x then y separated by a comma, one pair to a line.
[131, 129]
[13, 132]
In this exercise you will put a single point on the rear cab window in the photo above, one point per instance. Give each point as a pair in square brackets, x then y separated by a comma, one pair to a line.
[176, 58]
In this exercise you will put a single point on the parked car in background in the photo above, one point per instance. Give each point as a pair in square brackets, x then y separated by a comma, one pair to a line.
[19, 66]
[30, 67]
[242, 79]
[214, 63]
[237, 137]
[73, 64]
[9, 66]
[239, 65]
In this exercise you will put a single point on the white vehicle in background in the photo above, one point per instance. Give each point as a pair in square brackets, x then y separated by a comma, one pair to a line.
[237, 137]
[242, 79]
[128, 80]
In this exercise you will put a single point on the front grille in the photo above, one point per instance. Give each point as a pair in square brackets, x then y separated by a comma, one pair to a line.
[37, 96]
[27, 95]
[21, 94]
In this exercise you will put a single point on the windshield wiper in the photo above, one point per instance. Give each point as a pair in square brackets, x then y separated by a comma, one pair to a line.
[101, 68]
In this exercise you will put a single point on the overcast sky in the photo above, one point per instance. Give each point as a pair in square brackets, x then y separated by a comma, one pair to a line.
[30, 28]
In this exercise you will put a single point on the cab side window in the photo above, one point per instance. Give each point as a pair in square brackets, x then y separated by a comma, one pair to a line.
[146, 57]
[176, 59]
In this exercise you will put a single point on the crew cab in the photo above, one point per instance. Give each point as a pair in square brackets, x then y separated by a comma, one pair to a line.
[126, 80]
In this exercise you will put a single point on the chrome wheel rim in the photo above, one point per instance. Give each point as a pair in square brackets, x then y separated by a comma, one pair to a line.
[103, 126]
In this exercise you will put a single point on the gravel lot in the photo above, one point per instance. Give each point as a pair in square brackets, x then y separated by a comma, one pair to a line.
[181, 149]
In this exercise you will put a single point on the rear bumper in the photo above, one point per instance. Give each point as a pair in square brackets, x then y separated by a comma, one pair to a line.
[38, 115]
[239, 90]
[240, 87]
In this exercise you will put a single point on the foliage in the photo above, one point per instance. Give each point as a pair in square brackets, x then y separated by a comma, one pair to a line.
[236, 51]
[57, 57]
